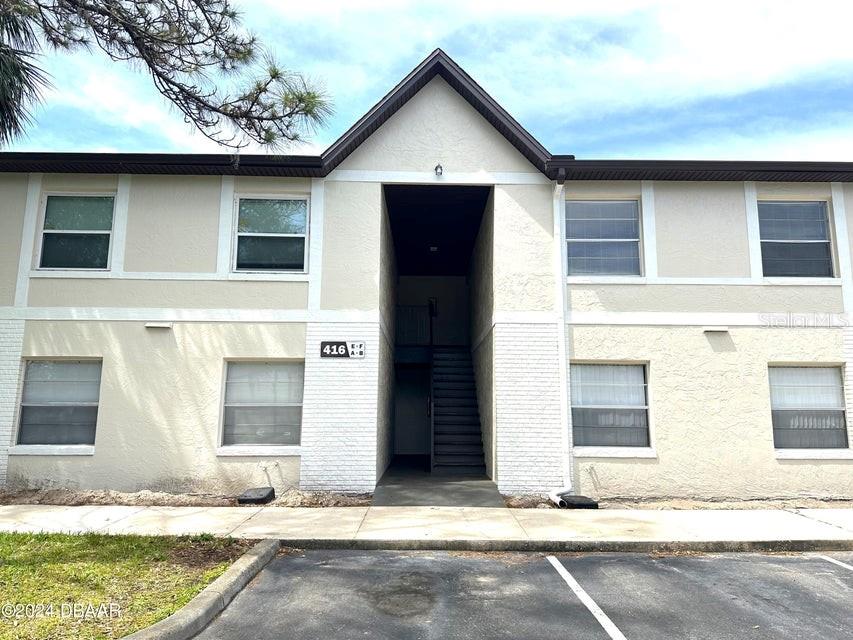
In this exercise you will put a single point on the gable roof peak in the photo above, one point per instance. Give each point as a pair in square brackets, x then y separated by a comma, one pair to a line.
[438, 63]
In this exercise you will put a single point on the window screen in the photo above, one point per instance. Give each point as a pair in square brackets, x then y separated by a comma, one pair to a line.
[60, 403]
[609, 406]
[808, 408]
[77, 232]
[263, 403]
[271, 234]
[795, 239]
[603, 237]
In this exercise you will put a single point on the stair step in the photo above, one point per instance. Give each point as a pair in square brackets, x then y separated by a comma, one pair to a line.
[451, 401]
[452, 364]
[458, 449]
[456, 410]
[455, 419]
[453, 384]
[473, 438]
[457, 459]
[453, 377]
[457, 430]
[454, 393]
[451, 430]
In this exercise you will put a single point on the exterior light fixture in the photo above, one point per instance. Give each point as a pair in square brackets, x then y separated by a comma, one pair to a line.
[438, 170]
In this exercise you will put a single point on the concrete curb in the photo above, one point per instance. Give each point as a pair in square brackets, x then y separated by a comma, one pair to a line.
[587, 546]
[194, 616]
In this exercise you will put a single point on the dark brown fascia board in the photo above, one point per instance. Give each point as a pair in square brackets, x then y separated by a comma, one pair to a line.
[700, 170]
[162, 163]
[437, 63]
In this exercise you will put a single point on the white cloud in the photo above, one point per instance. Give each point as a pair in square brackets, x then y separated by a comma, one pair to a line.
[548, 62]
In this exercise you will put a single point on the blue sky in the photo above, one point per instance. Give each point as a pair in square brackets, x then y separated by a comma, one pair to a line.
[608, 79]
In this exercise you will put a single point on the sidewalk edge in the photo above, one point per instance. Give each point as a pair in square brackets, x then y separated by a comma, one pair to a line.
[585, 546]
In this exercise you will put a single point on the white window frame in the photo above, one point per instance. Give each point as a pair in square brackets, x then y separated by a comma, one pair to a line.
[602, 451]
[42, 230]
[595, 277]
[255, 450]
[833, 242]
[813, 453]
[52, 449]
[236, 235]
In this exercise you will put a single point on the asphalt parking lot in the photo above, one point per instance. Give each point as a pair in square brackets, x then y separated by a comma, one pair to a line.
[308, 595]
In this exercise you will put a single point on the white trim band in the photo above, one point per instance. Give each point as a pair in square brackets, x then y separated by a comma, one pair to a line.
[52, 450]
[614, 452]
[429, 177]
[814, 454]
[259, 451]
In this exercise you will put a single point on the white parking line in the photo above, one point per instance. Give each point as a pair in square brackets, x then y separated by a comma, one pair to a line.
[606, 623]
[834, 561]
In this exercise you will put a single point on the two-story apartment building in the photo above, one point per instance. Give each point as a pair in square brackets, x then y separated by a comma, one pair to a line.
[436, 283]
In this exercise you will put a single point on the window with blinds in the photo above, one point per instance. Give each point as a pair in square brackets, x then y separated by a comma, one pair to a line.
[603, 237]
[263, 403]
[609, 405]
[795, 239]
[59, 404]
[808, 408]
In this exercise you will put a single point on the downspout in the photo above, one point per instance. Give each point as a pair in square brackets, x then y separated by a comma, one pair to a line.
[561, 312]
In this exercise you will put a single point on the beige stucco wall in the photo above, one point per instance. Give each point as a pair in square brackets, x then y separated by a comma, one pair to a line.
[13, 199]
[701, 229]
[523, 253]
[78, 183]
[351, 245]
[482, 297]
[794, 190]
[481, 275]
[251, 185]
[160, 405]
[387, 307]
[387, 272]
[437, 126]
[602, 189]
[710, 298]
[484, 374]
[710, 413]
[172, 223]
[176, 294]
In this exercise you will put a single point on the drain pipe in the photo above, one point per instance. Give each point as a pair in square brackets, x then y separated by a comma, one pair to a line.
[558, 496]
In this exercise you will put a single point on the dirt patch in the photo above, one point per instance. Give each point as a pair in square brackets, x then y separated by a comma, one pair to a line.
[533, 501]
[296, 498]
[684, 504]
[203, 552]
[529, 501]
[68, 497]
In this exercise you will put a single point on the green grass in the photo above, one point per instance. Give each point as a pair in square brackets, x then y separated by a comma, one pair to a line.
[148, 578]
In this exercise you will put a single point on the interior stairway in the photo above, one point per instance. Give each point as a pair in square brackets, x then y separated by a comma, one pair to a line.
[457, 440]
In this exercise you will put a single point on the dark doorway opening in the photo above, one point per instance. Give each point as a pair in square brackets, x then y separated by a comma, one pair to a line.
[436, 417]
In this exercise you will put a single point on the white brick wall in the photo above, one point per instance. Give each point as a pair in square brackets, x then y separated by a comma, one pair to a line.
[847, 354]
[11, 343]
[339, 413]
[529, 433]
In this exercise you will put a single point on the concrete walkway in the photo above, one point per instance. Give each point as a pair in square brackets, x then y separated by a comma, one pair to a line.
[459, 527]
[417, 488]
